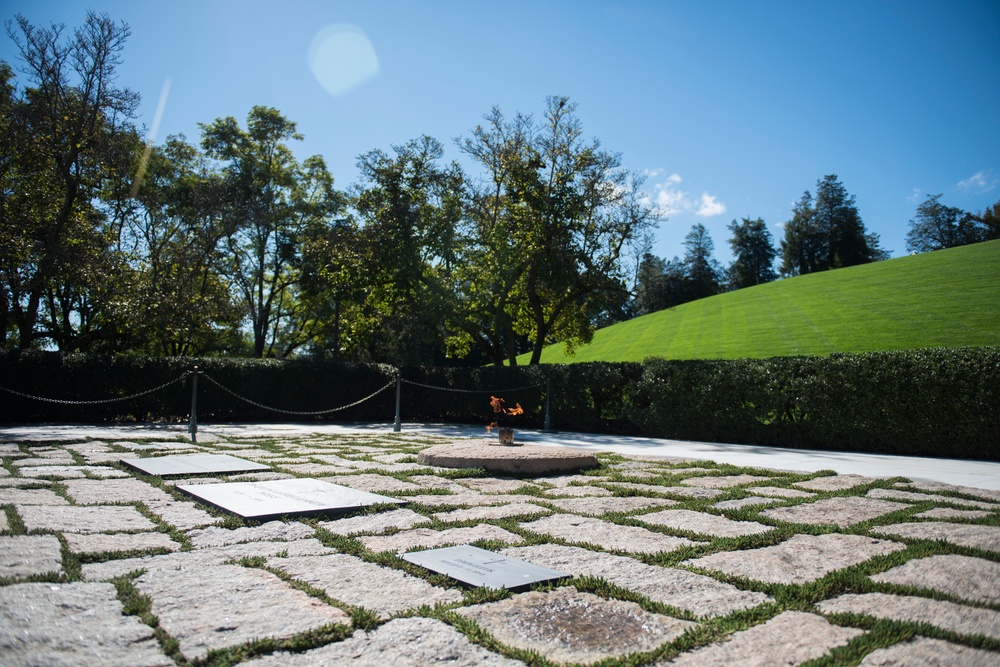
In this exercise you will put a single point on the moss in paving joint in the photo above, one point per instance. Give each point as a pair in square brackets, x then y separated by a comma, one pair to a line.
[15, 526]
[135, 603]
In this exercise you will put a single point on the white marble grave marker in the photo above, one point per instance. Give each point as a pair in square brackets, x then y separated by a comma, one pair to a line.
[479, 567]
[193, 464]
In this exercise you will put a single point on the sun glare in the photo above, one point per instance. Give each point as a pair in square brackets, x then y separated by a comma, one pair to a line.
[342, 58]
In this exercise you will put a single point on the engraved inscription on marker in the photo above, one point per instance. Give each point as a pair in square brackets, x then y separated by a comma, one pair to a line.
[193, 464]
[284, 497]
[479, 567]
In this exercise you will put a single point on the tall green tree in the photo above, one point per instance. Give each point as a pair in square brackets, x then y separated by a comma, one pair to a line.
[272, 200]
[64, 134]
[754, 252]
[937, 226]
[703, 271]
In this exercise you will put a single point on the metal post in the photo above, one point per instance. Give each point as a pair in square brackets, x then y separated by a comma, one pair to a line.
[193, 423]
[548, 412]
[397, 427]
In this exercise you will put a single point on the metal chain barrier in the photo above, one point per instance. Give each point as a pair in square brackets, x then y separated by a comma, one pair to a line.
[104, 401]
[296, 412]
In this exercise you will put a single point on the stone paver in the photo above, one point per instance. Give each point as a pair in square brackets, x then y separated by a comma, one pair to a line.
[565, 625]
[780, 492]
[570, 480]
[428, 537]
[899, 494]
[104, 492]
[950, 616]
[723, 482]
[73, 624]
[375, 523]
[961, 576]
[704, 523]
[356, 582]
[16, 496]
[214, 536]
[927, 485]
[835, 482]
[740, 503]
[26, 555]
[496, 485]
[182, 514]
[790, 638]
[88, 519]
[685, 491]
[470, 498]
[226, 605]
[835, 511]
[577, 492]
[102, 542]
[962, 534]
[403, 642]
[927, 652]
[950, 513]
[597, 506]
[799, 559]
[373, 483]
[491, 512]
[695, 593]
[609, 536]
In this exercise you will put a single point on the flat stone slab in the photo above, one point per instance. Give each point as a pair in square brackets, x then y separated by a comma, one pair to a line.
[470, 498]
[181, 514]
[73, 624]
[790, 638]
[799, 559]
[571, 480]
[491, 512]
[272, 531]
[685, 491]
[349, 579]
[193, 464]
[104, 543]
[528, 459]
[961, 576]
[740, 503]
[577, 492]
[479, 567]
[722, 482]
[704, 523]
[609, 536]
[780, 492]
[219, 606]
[428, 537]
[375, 523]
[988, 494]
[402, 642]
[598, 506]
[565, 625]
[939, 613]
[929, 652]
[835, 482]
[688, 591]
[900, 494]
[374, 483]
[835, 511]
[962, 534]
[27, 555]
[951, 513]
[496, 484]
[88, 519]
[107, 491]
[16, 496]
[284, 497]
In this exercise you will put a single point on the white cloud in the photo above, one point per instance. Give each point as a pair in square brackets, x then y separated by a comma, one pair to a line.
[672, 200]
[980, 182]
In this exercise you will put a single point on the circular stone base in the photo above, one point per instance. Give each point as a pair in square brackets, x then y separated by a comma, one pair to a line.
[522, 459]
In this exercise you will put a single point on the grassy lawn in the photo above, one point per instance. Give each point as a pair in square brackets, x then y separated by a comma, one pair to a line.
[948, 298]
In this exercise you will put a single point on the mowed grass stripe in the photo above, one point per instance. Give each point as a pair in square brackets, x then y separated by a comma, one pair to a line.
[948, 298]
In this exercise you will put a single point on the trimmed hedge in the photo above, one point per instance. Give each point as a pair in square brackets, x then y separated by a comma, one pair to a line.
[934, 402]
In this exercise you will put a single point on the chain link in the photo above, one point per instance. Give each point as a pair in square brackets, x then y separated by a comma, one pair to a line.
[294, 412]
[474, 391]
[101, 401]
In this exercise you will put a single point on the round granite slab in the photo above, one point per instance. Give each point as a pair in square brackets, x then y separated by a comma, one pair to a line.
[498, 458]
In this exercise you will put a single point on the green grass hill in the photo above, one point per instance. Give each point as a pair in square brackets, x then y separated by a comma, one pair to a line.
[946, 298]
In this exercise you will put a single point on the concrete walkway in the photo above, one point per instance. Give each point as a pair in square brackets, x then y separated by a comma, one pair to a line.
[978, 474]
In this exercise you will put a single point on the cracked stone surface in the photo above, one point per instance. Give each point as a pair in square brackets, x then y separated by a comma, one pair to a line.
[945, 615]
[491, 512]
[349, 579]
[375, 523]
[799, 559]
[26, 555]
[101, 542]
[104, 492]
[403, 642]
[962, 534]
[226, 605]
[695, 593]
[73, 624]
[268, 532]
[88, 519]
[428, 537]
[961, 576]
[703, 523]
[835, 511]
[565, 625]
[597, 506]
[927, 652]
[835, 482]
[723, 482]
[790, 638]
[609, 536]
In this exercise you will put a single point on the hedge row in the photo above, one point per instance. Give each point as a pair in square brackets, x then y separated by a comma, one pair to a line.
[937, 402]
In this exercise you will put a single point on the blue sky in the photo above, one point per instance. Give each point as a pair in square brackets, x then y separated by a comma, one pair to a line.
[732, 108]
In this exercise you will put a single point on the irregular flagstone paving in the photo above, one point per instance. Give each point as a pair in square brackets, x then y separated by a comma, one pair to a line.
[71, 532]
